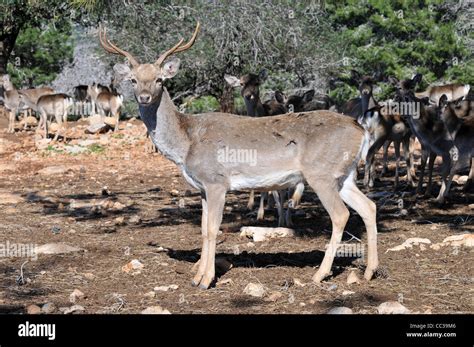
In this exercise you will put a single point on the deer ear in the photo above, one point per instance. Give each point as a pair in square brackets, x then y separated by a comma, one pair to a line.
[443, 100]
[308, 96]
[393, 80]
[262, 76]
[232, 80]
[417, 78]
[279, 97]
[170, 68]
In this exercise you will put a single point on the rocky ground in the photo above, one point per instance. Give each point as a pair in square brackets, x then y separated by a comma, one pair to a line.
[118, 231]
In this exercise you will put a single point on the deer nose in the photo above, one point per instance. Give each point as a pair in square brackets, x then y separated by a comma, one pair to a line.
[144, 98]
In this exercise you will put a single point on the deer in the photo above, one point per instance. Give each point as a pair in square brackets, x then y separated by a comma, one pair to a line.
[30, 97]
[110, 102]
[11, 100]
[291, 148]
[81, 97]
[308, 101]
[250, 91]
[452, 91]
[93, 91]
[437, 134]
[56, 105]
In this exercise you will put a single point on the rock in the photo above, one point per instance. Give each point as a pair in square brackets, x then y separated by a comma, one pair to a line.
[227, 281]
[347, 292]
[73, 309]
[466, 240]
[135, 264]
[110, 121]
[89, 275]
[409, 243]
[436, 247]
[174, 192]
[48, 308]
[471, 206]
[254, 289]
[135, 219]
[181, 203]
[118, 206]
[33, 309]
[53, 170]
[166, 288]
[298, 282]
[260, 234]
[10, 198]
[155, 310]
[75, 149]
[56, 248]
[30, 121]
[340, 310]
[119, 220]
[353, 278]
[150, 295]
[97, 128]
[274, 296]
[75, 295]
[392, 307]
[332, 287]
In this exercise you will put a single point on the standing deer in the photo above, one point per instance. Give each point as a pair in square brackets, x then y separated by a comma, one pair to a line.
[452, 91]
[291, 148]
[250, 91]
[93, 91]
[56, 105]
[11, 101]
[449, 137]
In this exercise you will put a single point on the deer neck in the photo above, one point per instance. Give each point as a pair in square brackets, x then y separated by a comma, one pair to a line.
[255, 109]
[167, 128]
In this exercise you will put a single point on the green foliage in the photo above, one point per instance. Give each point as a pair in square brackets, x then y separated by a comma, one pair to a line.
[400, 38]
[40, 54]
[202, 104]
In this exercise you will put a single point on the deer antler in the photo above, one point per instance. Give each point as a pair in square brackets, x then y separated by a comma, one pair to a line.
[111, 48]
[178, 47]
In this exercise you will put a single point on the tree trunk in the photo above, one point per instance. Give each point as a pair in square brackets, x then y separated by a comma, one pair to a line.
[226, 100]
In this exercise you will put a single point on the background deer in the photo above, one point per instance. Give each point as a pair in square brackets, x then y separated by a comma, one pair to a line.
[11, 101]
[286, 155]
[452, 91]
[250, 91]
[456, 151]
[56, 105]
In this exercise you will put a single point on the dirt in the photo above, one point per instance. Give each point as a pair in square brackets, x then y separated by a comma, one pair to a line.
[161, 228]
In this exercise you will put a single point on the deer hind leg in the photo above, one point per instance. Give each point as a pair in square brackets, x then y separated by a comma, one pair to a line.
[430, 173]
[424, 159]
[11, 121]
[59, 121]
[409, 161]
[369, 167]
[386, 145]
[215, 197]
[367, 209]
[326, 189]
[470, 178]
[279, 197]
[117, 118]
[261, 207]
[397, 168]
[447, 177]
[251, 202]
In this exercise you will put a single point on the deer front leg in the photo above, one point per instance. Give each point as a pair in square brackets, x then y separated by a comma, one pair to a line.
[261, 207]
[386, 145]
[470, 178]
[204, 253]
[397, 167]
[117, 117]
[447, 177]
[430, 173]
[369, 171]
[215, 197]
[424, 159]
[409, 161]
[11, 121]
[251, 200]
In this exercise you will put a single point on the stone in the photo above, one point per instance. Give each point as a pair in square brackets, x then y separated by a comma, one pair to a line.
[73, 309]
[340, 310]
[48, 308]
[134, 264]
[75, 295]
[33, 309]
[353, 278]
[392, 307]
[254, 289]
[56, 248]
[155, 310]
[259, 234]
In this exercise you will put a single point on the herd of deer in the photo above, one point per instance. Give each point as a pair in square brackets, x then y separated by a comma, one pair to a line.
[297, 141]
[49, 104]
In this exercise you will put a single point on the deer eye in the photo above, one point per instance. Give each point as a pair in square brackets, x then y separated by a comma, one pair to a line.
[133, 80]
[159, 80]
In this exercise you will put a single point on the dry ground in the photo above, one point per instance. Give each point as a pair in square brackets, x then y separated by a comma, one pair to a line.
[161, 228]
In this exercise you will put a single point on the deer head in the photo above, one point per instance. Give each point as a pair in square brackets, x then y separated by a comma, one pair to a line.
[147, 79]
[250, 89]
